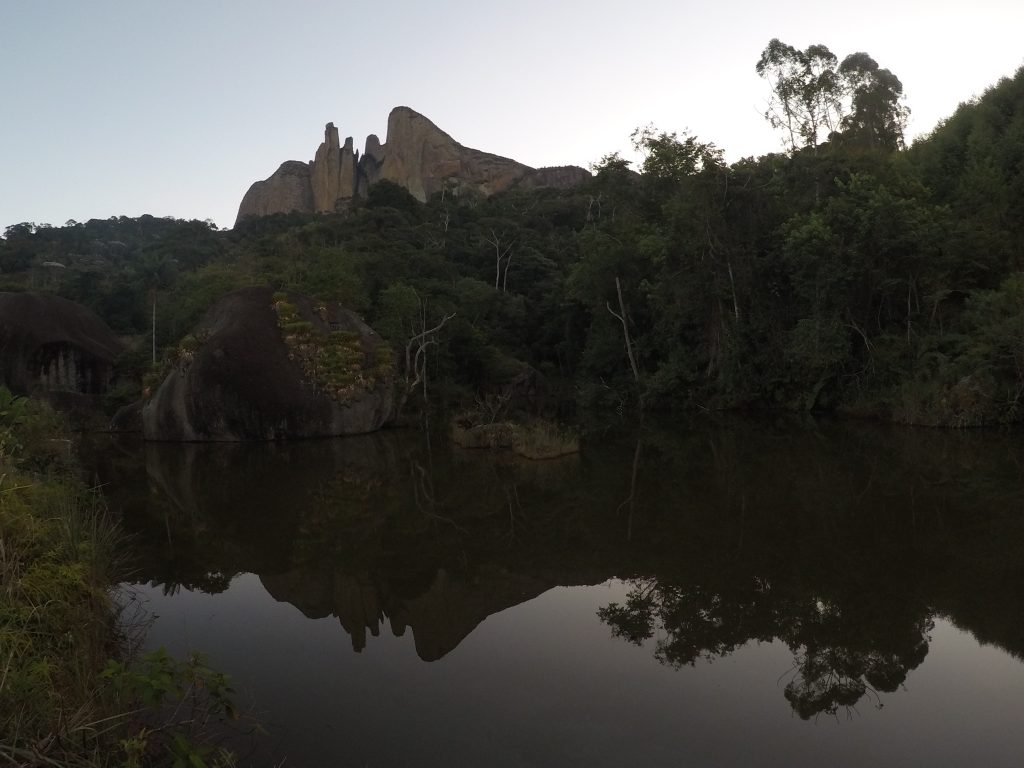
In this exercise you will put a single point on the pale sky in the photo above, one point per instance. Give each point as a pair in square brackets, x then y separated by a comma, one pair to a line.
[173, 108]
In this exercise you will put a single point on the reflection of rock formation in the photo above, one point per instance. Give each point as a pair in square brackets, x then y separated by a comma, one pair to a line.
[440, 617]
[201, 509]
[842, 542]
[417, 155]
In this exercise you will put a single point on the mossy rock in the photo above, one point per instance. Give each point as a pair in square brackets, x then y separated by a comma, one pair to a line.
[252, 379]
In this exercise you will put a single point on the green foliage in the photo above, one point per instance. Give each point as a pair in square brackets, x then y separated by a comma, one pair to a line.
[62, 700]
[13, 409]
[13, 412]
[58, 553]
[335, 360]
[817, 350]
[669, 159]
[32, 435]
[847, 273]
[854, 102]
[387, 194]
[161, 683]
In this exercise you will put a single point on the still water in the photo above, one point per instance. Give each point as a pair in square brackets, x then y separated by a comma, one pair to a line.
[730, 593]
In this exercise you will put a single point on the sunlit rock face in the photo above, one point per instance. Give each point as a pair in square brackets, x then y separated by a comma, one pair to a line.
[288, 189]
[244, 379]
[333, 173]
[50, 344]
[416, 155]
[424, 159]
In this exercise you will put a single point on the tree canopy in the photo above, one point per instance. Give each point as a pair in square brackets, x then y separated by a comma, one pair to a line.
[848, 273]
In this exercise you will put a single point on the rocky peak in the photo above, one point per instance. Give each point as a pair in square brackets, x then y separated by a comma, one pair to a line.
[288, 189]
[374, 149]
[333, 177]
[416, 154]
[424, 159]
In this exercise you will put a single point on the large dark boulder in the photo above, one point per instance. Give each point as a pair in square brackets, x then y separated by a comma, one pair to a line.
[265, 366]
[49, 344]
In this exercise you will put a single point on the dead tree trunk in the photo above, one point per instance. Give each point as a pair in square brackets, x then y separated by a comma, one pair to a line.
[416, 352]
[623, 318]
[154, 326]
[502, 253]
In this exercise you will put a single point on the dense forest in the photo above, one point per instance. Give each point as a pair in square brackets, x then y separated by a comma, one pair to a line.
[849, 273]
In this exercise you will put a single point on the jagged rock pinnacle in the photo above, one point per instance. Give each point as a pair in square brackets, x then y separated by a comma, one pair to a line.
[416, 155]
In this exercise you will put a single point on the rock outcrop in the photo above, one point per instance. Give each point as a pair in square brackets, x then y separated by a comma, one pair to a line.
[253, 373]
[333, 173]
[288, 189]
[424, 159]
[50, 344]
[560, 177]
[416, 155]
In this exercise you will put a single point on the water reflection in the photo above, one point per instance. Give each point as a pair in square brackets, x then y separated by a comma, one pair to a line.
[844, 542]
[842, 653]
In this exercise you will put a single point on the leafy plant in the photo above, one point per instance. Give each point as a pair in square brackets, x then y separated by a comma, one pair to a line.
[336, 360]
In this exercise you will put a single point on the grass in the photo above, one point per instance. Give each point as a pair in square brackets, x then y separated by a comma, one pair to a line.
[71, 693]
[58, 551]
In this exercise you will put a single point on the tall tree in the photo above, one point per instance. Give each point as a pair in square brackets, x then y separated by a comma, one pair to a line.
[782, 66]
[814, 96]
[877, 117]
[807, 91]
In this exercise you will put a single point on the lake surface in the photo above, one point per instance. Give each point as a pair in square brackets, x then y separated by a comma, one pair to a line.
[724, 593]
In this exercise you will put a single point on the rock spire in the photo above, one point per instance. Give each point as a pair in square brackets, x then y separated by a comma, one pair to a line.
[416, 155]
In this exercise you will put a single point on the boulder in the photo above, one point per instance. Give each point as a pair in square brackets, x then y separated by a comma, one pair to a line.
[50, 344]
[266, 366]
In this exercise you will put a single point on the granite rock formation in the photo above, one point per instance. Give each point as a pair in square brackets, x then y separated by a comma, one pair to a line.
[333, 173]
[560, 177]
[289, 189]
[424, 159]
[244, 380]
[416, 155]
[49, 344]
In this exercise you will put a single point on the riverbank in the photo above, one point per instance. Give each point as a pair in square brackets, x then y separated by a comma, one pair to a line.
[71, 691]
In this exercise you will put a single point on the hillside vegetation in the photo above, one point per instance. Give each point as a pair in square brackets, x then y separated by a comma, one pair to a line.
[847, 273]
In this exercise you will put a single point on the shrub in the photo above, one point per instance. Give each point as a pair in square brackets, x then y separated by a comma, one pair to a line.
[536, 440]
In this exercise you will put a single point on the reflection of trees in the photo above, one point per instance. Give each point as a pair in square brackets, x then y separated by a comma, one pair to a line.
[697, 623]
[837, 665]
[211, 583]
[739, 532]
[827, 539]
[842, 653]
